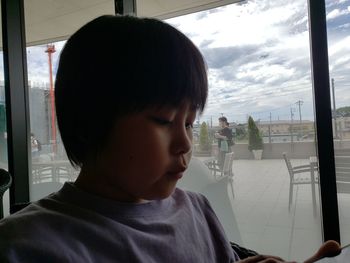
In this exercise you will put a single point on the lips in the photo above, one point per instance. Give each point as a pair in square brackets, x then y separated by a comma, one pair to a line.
[178, 173]
[179, 169]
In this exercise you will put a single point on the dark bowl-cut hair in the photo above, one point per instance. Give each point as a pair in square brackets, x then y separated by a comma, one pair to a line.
[224, 119]
[117, 65]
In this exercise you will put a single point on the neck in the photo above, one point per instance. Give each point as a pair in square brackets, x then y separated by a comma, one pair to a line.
[96, 183]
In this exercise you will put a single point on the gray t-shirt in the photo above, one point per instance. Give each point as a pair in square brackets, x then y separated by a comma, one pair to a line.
[75, 226]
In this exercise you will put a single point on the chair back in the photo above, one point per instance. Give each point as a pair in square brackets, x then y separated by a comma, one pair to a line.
[5, 183]
[288, 164]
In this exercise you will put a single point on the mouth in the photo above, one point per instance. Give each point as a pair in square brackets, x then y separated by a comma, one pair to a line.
[178, 174]
[178, 171]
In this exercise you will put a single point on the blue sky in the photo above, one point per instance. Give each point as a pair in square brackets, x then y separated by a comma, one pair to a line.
[258, 57]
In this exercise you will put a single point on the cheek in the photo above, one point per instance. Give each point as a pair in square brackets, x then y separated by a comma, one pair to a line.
[139, 151]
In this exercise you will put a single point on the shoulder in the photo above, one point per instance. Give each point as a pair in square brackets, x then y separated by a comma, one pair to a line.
[27, 221]
[38, 232]
[35, 219]
[196, 201]
[21, 232]
[205, 221]
[189, 195]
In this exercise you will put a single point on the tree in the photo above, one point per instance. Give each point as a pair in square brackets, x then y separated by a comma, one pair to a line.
[241, 132]
[255, 141]
[343, 111]
[203, 137]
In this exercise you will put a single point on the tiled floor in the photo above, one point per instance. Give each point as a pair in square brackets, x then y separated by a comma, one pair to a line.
[261, 207]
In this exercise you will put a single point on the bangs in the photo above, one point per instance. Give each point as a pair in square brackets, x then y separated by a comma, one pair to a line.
[165, 68]
[173, 81]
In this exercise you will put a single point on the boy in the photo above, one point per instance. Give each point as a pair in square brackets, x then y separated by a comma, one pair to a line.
[127, 93]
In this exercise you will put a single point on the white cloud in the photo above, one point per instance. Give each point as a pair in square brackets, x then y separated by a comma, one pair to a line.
[260, 56]
[341, 47]
[337, 12]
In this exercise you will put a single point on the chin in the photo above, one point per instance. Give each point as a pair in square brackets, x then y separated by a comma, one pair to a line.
[161, 195]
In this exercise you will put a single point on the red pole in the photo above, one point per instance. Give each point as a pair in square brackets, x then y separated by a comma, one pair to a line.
[51, 49]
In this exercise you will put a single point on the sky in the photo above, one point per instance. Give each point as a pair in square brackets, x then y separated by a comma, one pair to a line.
[258, 58]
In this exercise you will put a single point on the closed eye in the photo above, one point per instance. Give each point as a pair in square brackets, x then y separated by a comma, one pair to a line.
[161, 121]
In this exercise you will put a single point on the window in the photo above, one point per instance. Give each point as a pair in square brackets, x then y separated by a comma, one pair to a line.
[259, 65]
[244, 80]
[54, 21]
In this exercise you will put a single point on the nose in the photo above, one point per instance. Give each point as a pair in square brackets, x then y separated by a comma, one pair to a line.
[182, 141]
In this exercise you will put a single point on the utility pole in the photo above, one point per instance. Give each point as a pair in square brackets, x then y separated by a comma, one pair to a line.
[291, 125]
[51, 49]
[334, 111]
[270, 128]
[299, 103]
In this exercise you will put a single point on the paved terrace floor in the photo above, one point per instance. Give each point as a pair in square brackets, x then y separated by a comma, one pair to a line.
[261, 208]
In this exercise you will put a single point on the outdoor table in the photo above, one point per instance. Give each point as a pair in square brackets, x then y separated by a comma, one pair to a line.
[210, 162]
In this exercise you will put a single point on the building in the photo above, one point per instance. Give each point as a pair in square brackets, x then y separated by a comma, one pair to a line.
[286, 130]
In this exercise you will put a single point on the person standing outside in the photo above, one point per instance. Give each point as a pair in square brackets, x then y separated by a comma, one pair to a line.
[36, 145]
[225, 140]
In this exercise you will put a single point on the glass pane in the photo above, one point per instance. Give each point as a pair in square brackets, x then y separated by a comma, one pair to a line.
[338, 27]
[258, 60]
[47, 22]
[3, 129]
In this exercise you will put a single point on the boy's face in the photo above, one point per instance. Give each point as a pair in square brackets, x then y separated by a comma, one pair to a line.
[147, 154]
[221, 124]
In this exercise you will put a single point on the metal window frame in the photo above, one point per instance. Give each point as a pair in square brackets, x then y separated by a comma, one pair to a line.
[323, 112]
[17, 100]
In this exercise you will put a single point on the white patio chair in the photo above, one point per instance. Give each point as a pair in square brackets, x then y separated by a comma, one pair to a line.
[298, 175]
[342, 168]
[225, 170]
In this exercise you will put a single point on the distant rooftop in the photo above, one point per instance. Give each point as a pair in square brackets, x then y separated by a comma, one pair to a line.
[296, 121]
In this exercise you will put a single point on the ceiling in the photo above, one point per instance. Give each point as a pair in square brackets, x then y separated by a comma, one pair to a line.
[164, 9]
[53, 20]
